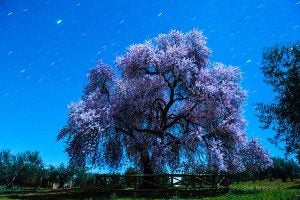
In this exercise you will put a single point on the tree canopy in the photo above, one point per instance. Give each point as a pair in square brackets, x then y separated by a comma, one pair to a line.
[165, 107]
[281, 70]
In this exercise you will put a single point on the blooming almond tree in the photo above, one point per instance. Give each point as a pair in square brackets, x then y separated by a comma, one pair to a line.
[165, 108]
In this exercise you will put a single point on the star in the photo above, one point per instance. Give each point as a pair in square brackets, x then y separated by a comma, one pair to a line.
[59, 21]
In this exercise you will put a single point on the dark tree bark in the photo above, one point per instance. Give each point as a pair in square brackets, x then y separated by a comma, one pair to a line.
[148, 179]
[146, 164]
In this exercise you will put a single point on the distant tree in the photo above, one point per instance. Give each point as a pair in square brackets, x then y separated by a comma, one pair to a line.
[255, 158]
[52, 174]
[65, 174]
[80, 177]
[60, 174]
[293, 169]
[33, 168]
[284, 169]
[19, 167]
[168, 107]
[10, 166]
[281, 69]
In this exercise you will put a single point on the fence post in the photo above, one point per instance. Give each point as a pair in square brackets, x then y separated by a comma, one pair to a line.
[193, 182]
[201, 180]
[215, 181]
[135, 182]
[164, 182]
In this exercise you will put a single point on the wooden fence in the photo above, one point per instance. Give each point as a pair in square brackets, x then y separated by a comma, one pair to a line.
[163, 183]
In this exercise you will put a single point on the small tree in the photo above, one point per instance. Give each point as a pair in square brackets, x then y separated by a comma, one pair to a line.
[33, 167]
[281, 69]
[255, 158]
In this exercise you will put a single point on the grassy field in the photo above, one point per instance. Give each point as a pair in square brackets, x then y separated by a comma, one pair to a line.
[264, 190]
[260, 190]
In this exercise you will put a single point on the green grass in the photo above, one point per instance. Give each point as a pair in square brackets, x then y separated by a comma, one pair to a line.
[260, 190]
[263, 190]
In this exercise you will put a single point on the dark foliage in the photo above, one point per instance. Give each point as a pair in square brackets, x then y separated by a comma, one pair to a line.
[281, 70]
[28, 170]
[284, 169]
[20, 168]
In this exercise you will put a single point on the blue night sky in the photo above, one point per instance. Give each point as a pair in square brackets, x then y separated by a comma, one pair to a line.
[48, 46]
